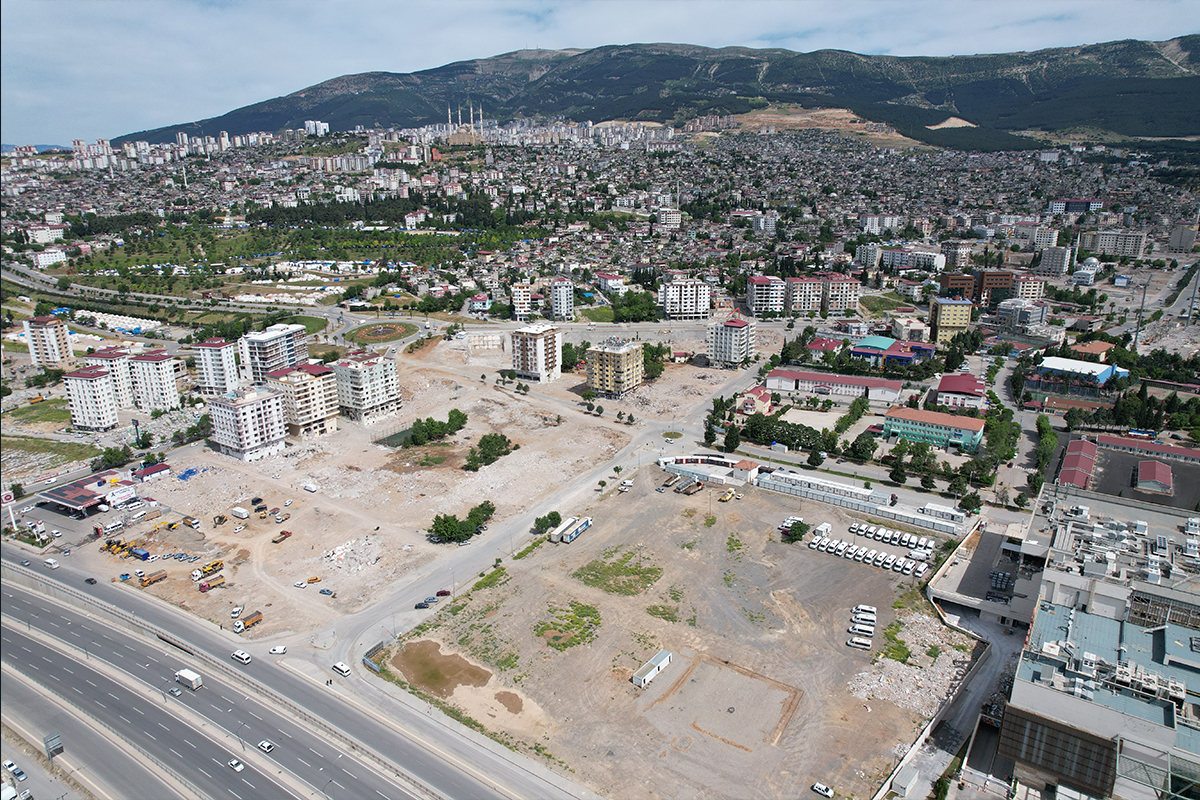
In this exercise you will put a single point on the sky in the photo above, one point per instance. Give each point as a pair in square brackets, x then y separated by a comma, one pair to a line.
[86, 69]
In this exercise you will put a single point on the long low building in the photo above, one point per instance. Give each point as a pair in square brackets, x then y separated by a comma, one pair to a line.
[1148, 448]
[824, 383]
[936, 428]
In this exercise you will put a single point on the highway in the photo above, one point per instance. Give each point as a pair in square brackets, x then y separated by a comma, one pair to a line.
[431, 754]
[139, 716]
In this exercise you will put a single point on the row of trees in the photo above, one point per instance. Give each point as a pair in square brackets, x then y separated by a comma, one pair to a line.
[491, 448]
[449, 528]
[430, 430]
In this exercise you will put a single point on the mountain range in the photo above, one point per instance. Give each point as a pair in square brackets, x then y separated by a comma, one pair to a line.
[1130, 88]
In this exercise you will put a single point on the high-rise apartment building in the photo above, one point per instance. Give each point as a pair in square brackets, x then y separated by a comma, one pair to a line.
[1028, 287]
[839, 294]
[948, 317]
[562, 300]
[687, 299]
[310, 399]
[248, 425]
[802, 295]
[731, 342]
[48, 341]
[958, 254]
[276, 347]
[216, 366]
[91, 399]
[154, 385]
[115, 361]
[615, 367]
[764, 294]
[522, 300]
[1055, 261]
[368, 387]
[537, 353]
[1114, 243]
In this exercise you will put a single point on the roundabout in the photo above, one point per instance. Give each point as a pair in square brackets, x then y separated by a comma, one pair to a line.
[376, 333]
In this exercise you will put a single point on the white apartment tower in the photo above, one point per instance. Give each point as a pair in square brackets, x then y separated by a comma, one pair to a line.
[115, 361]
[276, 347]
[687, 299]
[731, 342]
[562, 300]
[839, 293]
[522, 300]
[802, 295]
[537, 353]
[48, 342]
[310, 399]
[764, 294]
[154, 386]
[250, 425]
[368, 387]
[91, 399]
[216, 365]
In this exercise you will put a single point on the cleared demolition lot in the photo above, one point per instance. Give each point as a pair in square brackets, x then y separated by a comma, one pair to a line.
[762, 696]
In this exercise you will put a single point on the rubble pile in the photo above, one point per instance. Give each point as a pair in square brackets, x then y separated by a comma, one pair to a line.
[917, 689]
[355, 555]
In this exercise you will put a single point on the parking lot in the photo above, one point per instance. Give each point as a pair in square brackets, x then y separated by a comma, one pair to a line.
[756, 701]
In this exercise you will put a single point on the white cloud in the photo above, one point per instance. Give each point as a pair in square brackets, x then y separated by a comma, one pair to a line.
[85, 69]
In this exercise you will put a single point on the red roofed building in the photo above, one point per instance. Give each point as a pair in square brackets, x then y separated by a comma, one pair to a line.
[1151, 449]
[963, 390]
[310, 398]
[1154, 476]
[879, 390]
[756, 400]
[940, 430]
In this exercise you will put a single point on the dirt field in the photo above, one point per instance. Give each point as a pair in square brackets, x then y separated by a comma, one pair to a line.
[840, 120]
[762, 697]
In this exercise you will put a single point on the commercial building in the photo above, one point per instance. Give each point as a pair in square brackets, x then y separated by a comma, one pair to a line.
[877, 390]
[48, 340]
[802, 295]
[879, 351]
[615, 367]
[1027, 287]
[1018, 313]
[216, 366]
[963, 390]
[909, 329]
[154, 384]
[670, 218]
[957, 284]
[368, 387]
[562, 300]
[1154, 476]
[248, 425]
[1114, 243]
[275, 348]
[839, 294]
[91, 398]
[310, 399]
[730, 343]
[49, 257]
[958, 254]
[992, 286]
[522, 300]
[687, 299]
[905, 260]
[948, 317]
[1055, 261]
[939, 430]
[115, 361]
[537, 353]
[764, 294]
[1057, 375]
[1103, 700]
[1183, 238]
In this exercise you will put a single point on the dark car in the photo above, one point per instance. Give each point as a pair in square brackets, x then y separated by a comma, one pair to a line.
[256, 501]
[443, 593]
[90, 581]
[421, 605]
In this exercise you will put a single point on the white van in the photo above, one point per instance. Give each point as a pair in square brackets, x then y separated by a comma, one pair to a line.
[137, 517]
[114, 526]
[341, 669]
[863, 630]
[861, 609]
[859, 642]
[51, 563]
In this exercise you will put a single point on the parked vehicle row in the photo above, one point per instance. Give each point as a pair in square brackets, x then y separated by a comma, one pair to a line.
[862, 627]
[864, 555]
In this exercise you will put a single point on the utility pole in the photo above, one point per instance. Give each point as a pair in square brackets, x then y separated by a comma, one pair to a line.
[1138, 330]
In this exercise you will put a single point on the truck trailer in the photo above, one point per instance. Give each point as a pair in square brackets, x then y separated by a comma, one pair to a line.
[154, 577]
[240, 512]
[248, 621]
[212, 583]
[207, 569]
[279, 537]
[190, 679]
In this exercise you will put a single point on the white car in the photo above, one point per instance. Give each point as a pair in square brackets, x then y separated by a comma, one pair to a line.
[237, 612]
[287, 503]
[14, 770]
[278, 650]
[822, 790]
[139, 573]
[239, 529]
[236, 765]
[265, 746]
[153, 558]
[299, 584]
[56, 534]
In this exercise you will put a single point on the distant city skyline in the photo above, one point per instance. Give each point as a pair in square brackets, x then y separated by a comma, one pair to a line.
[84, 70]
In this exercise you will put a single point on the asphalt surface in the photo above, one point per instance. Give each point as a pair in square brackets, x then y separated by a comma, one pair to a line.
[139, 716]
[430, 753]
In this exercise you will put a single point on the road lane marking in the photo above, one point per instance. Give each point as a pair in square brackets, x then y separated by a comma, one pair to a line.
[205, 773]
[127, 722]
[151, 735]
[315, 753]
[285, 733]
[164, 727]
[152, 658]
[97, 702]
[73, 633]
[75, 689]
[135, 708]
[114, 697]
[348, 773]
[302, 761]
[68, 669]
[256, 716]
[26, 649]
[189, 744]
[381, 794]
[176, 752]
[248, 783]
[89, 683]
[55, 624]
[235, 794]
[335, 783]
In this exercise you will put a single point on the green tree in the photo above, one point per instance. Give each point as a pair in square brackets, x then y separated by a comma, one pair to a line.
[898, 473]
[733, 439]
[864, 447]
[971, 503]
[710, 434]
[927, 482]
[814, 458]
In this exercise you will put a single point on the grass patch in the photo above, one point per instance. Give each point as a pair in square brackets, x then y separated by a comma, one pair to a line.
[534, 545]
[692, 619]
[430, 461]
[688, 545]
[628, 574]
[67, 451]
[675, 593]
[382, 331]
[753, 616]
[733, 544]
[602, 314]
[894, 647]
[568, 627]
[913, 598]
[497, 577]
[669, 613]
[689, 512]
[888, 302]
[16, 347]
[672, 435]
[933, 652]
[311, 324]
[729, 578]
[710, 520]
[46, 411]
